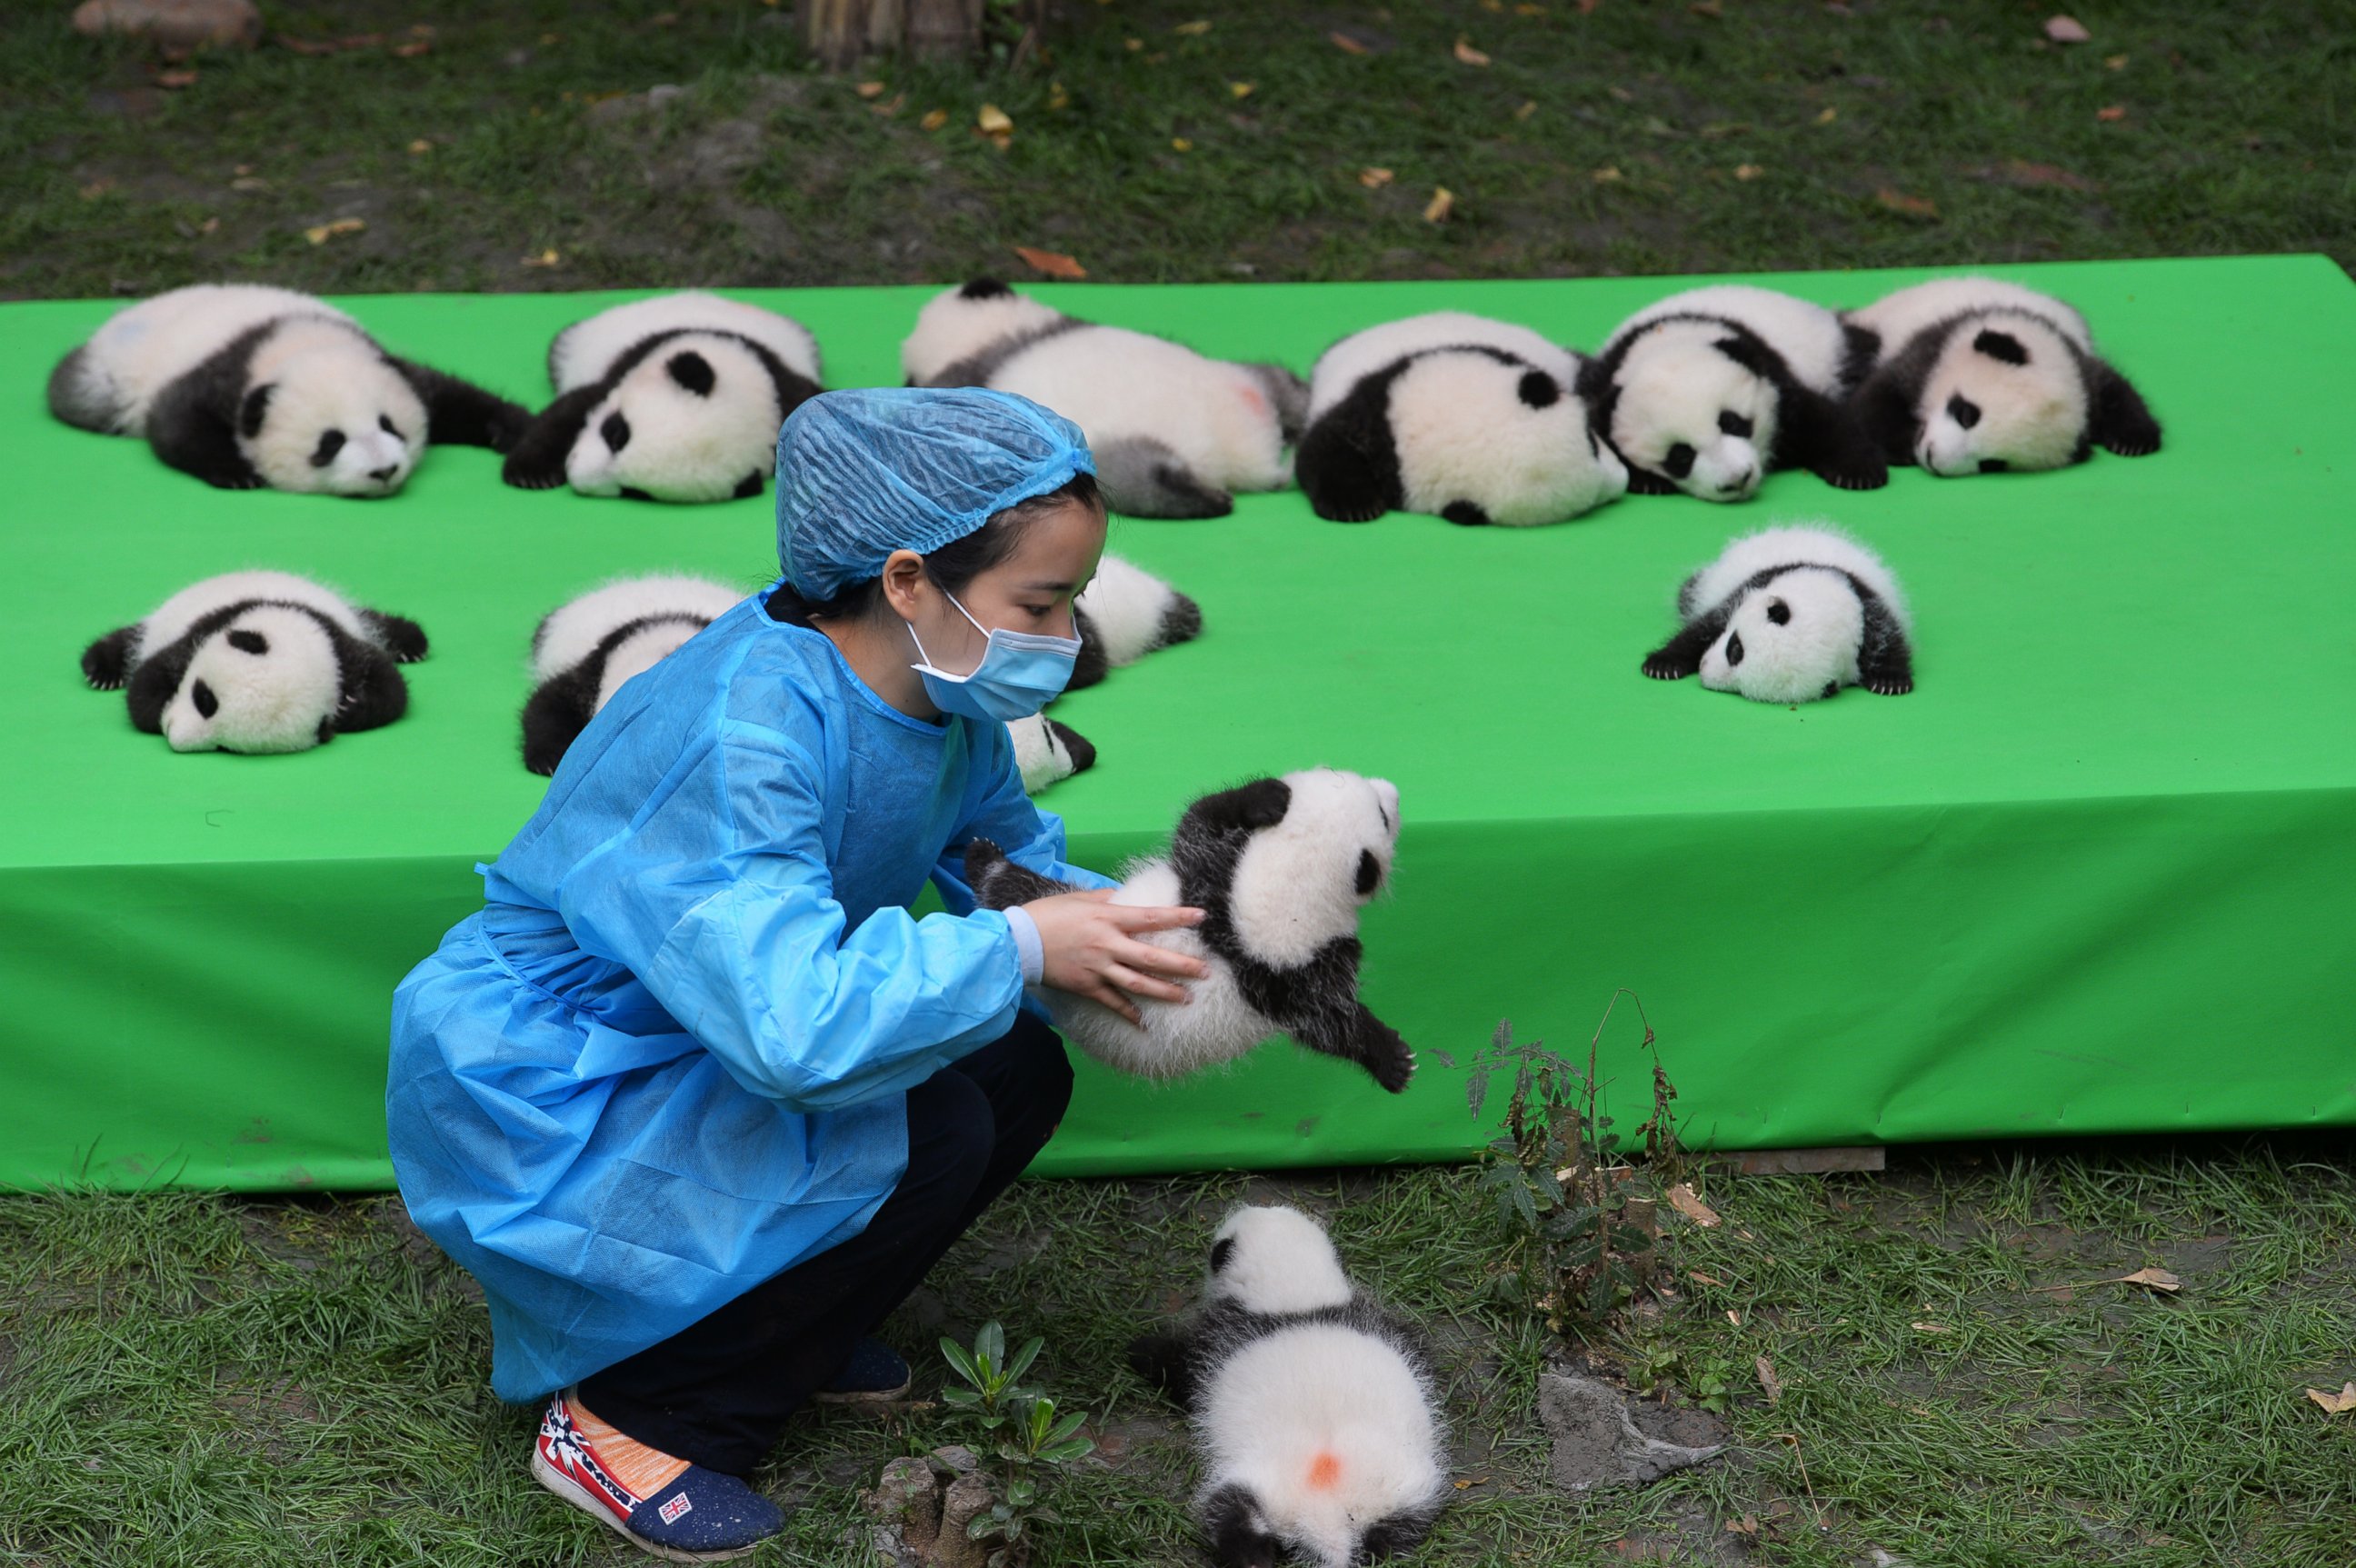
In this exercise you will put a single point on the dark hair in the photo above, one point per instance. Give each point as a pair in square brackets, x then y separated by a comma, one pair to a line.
[950, 567]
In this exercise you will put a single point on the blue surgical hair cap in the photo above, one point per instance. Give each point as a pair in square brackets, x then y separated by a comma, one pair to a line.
[868, 470]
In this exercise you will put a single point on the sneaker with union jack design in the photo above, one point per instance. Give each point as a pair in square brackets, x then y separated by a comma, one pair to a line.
[702, 1516]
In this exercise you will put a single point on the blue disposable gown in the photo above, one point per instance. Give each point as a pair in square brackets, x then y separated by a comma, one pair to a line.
[669, 1058]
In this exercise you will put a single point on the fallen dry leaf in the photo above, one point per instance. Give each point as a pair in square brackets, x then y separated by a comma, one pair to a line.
[2112, 111]
[1529, 10]
[248, 182]
[547, 258]
[1747, 1525]
[414, 47]
[1681, 1199]
[209, 226]
[1931, 1327]
[319, 234]
[1057, 98]
[2155, 1279]
[899, 100]
[1707, 8]
[1469, 54]
[1913, 206]
[1748, 171]
[1769, 1383]
[1180, 144]
[1472, 1481]
[663, 19]
[1606, 175]
[2063, 30]
[1734, 1317]
[1828, 117]
[421, 146]
[1054, 263]
[1132, 44]
[175, 78]
[1346, 44]
[2339, 1403]
[2018, 171]
[1702, 1279]
[1192, 29]
[934, 118]
[869, 90]
[1240, 89]
[992, 121]
[1374, 178]
[2114, 62]
[1442, 202]
[95, 190]
[1529, 107]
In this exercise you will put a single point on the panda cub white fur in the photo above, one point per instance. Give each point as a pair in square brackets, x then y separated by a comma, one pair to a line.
[1708, 390]
[1173, 433]
[257, 662]
[1047, 751]
[243, 386]
[1790, 614]
[1977, 376]
[1472, 420]
[1125, 613]
[584, 649]
[1315, 1413]
[677, 398]
[1281, 868]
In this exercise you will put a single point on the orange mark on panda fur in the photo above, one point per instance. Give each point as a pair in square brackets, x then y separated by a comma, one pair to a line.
[1324, 1472]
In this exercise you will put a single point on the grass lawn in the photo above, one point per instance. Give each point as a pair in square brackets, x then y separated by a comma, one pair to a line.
[191, 1380]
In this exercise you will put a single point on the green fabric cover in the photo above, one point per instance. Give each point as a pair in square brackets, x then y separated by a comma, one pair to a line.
[2098, 873]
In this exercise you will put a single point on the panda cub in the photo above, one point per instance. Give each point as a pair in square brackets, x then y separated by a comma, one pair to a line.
[1708, 390]
[1977, 376]
[1314, 1411]
[676, 398]
[1790, 614]
[1471, 419]
[1281, 867]
[243, 385]
[583, 649]
[1047, 752]
[1173, 433]
[1125, 613]
[259, 663]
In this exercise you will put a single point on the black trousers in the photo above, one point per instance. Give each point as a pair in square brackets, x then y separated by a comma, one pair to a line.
[719, 1392]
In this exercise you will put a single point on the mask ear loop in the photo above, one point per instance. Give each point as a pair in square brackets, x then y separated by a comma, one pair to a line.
[927, 657]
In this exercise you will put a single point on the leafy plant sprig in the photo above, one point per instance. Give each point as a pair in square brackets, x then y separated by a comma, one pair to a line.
[1020, 1430]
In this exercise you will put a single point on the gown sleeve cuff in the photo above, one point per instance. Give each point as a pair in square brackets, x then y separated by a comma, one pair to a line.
[1027, 946]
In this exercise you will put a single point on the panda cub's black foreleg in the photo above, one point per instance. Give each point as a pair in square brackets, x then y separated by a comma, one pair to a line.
[2120, 423]
[537, 460]
[106, 663]
[461, 413]
[1681, 655]
[1232, 1519]
[1884, 663]
[1354, 1034]
[403, 637]
[999, 882]
[1166, 1360]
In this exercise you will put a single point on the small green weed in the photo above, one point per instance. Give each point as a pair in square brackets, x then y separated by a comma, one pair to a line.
[1020, 1429]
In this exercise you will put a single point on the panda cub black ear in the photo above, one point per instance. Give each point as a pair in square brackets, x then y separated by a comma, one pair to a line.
[246, 641]
[2001, 346]
[1539, 390]
[254, 409]
[1778, 612]
[750, 485]
[984, 288]
[1221, 1251]
[691, 371]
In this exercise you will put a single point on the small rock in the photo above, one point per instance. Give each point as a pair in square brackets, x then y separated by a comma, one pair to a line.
[961, 1460]
[174, 23]
[967, 1496]
[907, 1500]
[662, 92]
[1598, 1444]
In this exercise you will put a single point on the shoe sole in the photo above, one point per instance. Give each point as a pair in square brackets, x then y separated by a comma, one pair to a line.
[573, 1492]
[869, 1396]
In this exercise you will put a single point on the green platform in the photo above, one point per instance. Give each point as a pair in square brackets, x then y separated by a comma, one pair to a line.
[2097, 874]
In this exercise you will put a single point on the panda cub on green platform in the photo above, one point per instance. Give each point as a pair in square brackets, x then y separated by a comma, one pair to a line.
[257, 662]
[1316, 1412]
[1790, 614]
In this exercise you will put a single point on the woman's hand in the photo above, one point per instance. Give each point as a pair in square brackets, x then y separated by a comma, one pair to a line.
[1091, 950]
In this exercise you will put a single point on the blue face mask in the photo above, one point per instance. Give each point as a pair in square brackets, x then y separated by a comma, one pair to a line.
[1020, 673]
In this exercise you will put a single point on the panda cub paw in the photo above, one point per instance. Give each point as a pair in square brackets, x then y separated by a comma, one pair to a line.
[1890, 685]
[1666, 667]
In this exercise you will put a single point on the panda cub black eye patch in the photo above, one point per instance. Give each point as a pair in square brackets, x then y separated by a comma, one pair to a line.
[615, 430]
[1778, 612]
[246, 641]
[1964, 410]
[384, 423]
[1733, 650]
[1678, 460]
[1370, 873]
[330, 443]
[1733, 424]
[202, 695]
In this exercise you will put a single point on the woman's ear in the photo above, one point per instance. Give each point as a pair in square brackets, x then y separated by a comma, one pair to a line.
[904, 572]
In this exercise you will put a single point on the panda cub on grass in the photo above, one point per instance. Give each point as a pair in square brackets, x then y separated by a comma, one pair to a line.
[1173, 433]
[1706, 391]
[1473, 420]
[676, 398]
[243, 385]
[1282, 867]
[1315, 1411]
[1977, 376]
[1788, 615]
[257, 661]
[583, 649]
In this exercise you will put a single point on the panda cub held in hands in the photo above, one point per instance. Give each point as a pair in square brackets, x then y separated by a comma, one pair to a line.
[676, 398]
[1457, 415]
[1281, 868]
[1315, 1411]
[583, 649]
[1978, 376]
[1173, 433]
[244, 386]
[1708, 390]
[258, 662]
[1790, 614]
